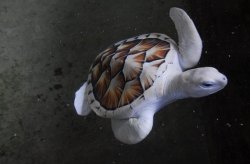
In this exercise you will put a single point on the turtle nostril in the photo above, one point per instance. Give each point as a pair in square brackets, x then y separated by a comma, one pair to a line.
[224, 80]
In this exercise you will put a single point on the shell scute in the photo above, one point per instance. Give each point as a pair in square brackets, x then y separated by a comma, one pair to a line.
[131, 91]
[126, 46]
[106, 62]
[102, 84]
[143, 45]
[96, 73]
[117, 62]
[112, 96]
[159, 51]
[133, 66]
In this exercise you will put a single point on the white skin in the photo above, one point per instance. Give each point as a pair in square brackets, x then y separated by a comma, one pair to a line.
[197, 82]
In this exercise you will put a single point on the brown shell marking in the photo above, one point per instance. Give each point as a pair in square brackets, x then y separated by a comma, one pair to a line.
[117, 62]
[147, 77]
[157, 52]
[144, 45]
[118, 74]
[131, 91]
[96, 73]
[127, 45]
[114, 92]
[133, 66]
[106, 52]
[102, 84]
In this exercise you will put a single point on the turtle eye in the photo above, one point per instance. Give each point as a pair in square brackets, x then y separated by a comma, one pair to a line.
[207, 84]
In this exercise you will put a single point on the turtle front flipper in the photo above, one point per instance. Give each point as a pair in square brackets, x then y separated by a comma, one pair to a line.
[80, 102]
[190, 44]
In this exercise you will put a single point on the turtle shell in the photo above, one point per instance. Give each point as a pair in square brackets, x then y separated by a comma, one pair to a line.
[122, 73]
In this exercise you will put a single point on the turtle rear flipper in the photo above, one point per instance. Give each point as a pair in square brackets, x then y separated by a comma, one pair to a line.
[80, 101]
[190, 44]
[134, 129]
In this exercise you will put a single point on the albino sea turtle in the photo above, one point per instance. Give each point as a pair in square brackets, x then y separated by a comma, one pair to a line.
[134, 78]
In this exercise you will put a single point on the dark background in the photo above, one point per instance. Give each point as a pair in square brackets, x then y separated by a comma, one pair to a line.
[46, 48]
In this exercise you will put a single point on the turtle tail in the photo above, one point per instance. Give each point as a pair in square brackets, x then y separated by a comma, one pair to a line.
[190, 44]
[80, 102]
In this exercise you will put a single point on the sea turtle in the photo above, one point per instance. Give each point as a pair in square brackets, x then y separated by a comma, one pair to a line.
[134, 78]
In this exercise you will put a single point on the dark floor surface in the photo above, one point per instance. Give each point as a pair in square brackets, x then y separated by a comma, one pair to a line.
[46, 48]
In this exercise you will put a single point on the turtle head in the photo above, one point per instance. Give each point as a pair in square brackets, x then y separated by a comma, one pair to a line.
[203, 81]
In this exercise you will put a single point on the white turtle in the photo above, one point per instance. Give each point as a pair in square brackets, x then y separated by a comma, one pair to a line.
[134, 78]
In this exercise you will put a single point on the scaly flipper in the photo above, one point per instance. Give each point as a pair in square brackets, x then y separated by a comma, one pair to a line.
[80, 102]
[190, 44]
[134, 129]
